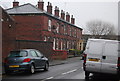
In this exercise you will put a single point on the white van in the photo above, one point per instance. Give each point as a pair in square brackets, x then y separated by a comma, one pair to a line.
[102, 56]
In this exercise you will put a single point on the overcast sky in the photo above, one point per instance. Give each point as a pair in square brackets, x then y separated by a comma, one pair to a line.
[82, 10]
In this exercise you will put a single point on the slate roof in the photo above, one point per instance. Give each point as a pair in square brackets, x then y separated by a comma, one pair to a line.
[31, 9]
[26, 8]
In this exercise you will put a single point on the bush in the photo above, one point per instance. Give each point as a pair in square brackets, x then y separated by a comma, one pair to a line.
[75, 52]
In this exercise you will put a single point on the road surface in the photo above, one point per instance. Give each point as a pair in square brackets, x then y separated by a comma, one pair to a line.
[67, 72]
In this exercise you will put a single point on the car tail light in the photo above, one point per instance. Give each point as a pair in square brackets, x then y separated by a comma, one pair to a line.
[118, 62]
[27, 60]
[85, 56]
[5, 61]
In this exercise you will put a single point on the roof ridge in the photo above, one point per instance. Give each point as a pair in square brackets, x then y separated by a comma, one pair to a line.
[41, 11]
[24, 5]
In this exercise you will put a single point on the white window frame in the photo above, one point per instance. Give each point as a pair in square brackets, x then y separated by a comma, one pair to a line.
[45, 38]
[57, 29]
[57, 43]
[70, 31]
[67, 44]
[75, 33]
[49, 25]
[61, 44]
[54, 43]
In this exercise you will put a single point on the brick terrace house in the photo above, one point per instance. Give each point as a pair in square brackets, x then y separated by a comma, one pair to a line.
[8, 32]
[34, 23]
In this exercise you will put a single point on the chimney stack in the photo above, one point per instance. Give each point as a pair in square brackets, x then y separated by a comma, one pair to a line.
[72, 20]
[62, 14]
[41, 5]
[56, 11]
[49, 8]
[15, 3]
[67, 17]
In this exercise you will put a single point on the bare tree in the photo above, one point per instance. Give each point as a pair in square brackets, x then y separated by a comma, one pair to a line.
[97, 27]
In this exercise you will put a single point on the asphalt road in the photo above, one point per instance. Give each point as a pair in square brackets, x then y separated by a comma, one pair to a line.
[67, 72]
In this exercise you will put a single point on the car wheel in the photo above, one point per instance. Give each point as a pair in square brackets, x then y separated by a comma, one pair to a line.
[46, 67]
[32, 69]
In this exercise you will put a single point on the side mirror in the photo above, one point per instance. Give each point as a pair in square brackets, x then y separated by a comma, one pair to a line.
[42, 56]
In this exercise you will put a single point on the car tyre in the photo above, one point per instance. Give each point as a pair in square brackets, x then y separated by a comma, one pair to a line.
[46, 67]
[32, 69]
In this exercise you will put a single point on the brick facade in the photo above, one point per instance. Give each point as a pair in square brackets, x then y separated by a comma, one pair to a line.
[47, 27]
[8, 33]
[39, 45]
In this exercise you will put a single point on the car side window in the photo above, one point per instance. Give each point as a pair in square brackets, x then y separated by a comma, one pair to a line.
[39, 54]
[33, 54]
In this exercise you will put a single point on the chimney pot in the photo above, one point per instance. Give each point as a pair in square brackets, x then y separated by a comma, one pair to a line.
[62, 14]
[72, 20]
[56, 11]
[49, 8]
[67, 17]
[40, 0]
[15, 3]
[41, 5]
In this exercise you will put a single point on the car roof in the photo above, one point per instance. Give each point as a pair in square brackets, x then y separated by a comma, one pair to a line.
[23, 49]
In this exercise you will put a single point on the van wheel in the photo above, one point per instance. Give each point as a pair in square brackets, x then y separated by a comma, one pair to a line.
[87, 74]
[7, 72]
[118, 75]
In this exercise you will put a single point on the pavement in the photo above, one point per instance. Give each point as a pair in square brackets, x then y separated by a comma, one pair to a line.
[68, 60]
[56, 62]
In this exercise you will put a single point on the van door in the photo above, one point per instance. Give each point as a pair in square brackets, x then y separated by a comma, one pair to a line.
[110, 57]
[94, 55]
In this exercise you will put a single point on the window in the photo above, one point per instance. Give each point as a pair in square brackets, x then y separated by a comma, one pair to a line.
[64, 29]
[70, 31]
[49, 25]
[57, 43]
[1, 20]
[39, 53]
[18, 54]
[67, 44]
[54, 43]
[75, 33]
[48, 38]
[61, 44]
[33, 54]
[64, 44]
[45, 38]
[57, 29]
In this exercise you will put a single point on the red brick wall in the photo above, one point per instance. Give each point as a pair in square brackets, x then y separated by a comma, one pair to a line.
[35, 27]
[8, 34]
[59, 55]
[44, 47]
[29, 27]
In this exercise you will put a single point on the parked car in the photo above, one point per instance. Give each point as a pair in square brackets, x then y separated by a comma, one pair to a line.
[25, 60]
[102, 56]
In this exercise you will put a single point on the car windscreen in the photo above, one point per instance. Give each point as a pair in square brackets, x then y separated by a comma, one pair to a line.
[18, 54]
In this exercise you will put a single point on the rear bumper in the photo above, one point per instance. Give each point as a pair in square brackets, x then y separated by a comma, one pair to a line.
[22, 67]
[93, 70]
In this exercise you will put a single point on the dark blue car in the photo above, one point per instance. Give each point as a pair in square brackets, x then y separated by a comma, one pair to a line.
[25, 60]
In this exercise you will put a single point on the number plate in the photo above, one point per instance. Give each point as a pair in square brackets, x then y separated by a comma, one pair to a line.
[14, 66]
[96, 60]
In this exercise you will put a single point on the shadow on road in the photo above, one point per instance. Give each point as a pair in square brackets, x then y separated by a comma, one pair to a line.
[24, 73]
[102, 77]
